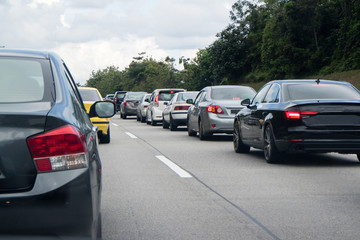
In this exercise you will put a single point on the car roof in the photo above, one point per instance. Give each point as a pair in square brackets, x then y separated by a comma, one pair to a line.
[308, 81]
[25, 53]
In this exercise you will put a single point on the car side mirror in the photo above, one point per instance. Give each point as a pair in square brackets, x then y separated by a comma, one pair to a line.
[189, 101]
[102, 109]
[245, 102]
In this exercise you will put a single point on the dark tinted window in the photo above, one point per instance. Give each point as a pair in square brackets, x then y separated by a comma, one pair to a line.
[320, 91]
[22, 80]
[261, 94]
[273, 94]
[232, 93]
[89, 95]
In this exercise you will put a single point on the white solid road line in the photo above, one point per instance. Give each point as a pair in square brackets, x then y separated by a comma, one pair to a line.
[182, 173]
[131, 135]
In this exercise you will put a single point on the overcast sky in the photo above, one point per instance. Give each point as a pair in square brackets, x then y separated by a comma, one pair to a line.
[93, 34]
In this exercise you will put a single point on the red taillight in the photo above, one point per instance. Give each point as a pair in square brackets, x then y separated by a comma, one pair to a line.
[298, 114]
[215, 109]
[179, 108]
[60, 149]
[157, 98]
[125, 103]
[115, 99]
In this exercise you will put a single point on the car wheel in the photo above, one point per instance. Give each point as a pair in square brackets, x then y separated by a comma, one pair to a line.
[104, 138]
[191, 132]
[153, 123]
[358, 156]
[164, 123]
[99, 228]
[142, 119]
[239, 146]
[124, 116]
[137, 118]
[271, 154]
[173, 126]
[203, 135]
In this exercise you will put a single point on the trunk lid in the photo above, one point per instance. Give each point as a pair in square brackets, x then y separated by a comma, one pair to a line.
[17, 168]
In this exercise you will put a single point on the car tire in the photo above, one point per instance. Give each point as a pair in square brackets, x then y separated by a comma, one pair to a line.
[142, 119]
[124, 116]
[137, 118]
[203, 135]
[173, 126]
[99, 228]
[358, 156]
[239, 146]
[271, 153]
[164, 123]
[153, 123]
[191, 132]
[104, 138]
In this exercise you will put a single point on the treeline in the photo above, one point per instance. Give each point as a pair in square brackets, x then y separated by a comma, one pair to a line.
[271, 39]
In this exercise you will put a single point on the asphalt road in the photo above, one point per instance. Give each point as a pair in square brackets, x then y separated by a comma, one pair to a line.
[215, 193]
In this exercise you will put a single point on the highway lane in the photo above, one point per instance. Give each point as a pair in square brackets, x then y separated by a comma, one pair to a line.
[227, 195]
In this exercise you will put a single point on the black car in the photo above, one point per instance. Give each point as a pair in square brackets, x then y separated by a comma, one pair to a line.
[291, 116]
[118, 98]
[50, 169]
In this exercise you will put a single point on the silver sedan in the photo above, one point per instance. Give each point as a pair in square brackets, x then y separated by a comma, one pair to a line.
[175, 113]
[214, 109]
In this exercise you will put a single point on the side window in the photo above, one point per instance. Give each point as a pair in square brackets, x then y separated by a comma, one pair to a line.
[73, 85]
[260, 95]
[198, 97]
[273, 94]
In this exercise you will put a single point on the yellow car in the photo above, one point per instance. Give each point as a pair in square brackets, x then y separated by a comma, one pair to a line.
[89, 96]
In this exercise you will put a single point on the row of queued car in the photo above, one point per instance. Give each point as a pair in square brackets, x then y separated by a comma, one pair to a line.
[285, 116]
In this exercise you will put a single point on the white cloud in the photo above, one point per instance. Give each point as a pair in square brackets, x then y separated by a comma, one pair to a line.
[93, 34]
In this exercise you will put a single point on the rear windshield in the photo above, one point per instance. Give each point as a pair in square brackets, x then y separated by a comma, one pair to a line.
[120, 96]
[166, 96]
[320, 91]
[134, 96]
[22, 80]
[232, 93]
[185, 96]
[89, 95]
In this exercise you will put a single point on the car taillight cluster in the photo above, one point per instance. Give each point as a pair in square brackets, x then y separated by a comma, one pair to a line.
[115, 99]
[179, 108]
[63, 148]
[125, 104]
[215, 109]
[298, 114]
[157, 98]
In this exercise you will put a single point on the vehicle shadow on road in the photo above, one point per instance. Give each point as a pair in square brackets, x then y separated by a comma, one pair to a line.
[313, 160]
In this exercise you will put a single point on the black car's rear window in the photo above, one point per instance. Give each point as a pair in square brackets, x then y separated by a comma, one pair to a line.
[89, 95]
[22, 80]
[232, 93]
[320, 91]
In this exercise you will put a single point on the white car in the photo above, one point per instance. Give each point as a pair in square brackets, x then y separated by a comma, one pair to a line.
[142, 107]
[157, 104]
[175, 113]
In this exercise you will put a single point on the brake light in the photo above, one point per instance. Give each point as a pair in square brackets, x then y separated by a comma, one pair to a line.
[157, 98]
[215, 109]
[115, 99]
[63, 148]
[298, 114]
[125, 103]
[179, 108]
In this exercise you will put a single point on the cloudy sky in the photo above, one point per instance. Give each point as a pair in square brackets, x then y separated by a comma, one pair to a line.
[93, 34]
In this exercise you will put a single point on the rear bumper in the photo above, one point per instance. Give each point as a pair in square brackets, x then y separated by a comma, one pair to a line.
[179, 118]
[319, 145]
[60, 204]
[220, 125]
[130, 111]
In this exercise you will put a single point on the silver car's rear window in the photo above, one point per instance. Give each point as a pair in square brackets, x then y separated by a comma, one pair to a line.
[232, 93]
[21, 80]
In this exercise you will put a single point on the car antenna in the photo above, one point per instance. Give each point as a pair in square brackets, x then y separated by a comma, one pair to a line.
[318, 81]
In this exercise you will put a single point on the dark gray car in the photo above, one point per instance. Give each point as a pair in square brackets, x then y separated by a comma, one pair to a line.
[214, 109]
[50, 169]
[130, 102]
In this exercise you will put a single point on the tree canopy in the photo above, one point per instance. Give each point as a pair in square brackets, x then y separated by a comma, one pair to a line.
[273, 39]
